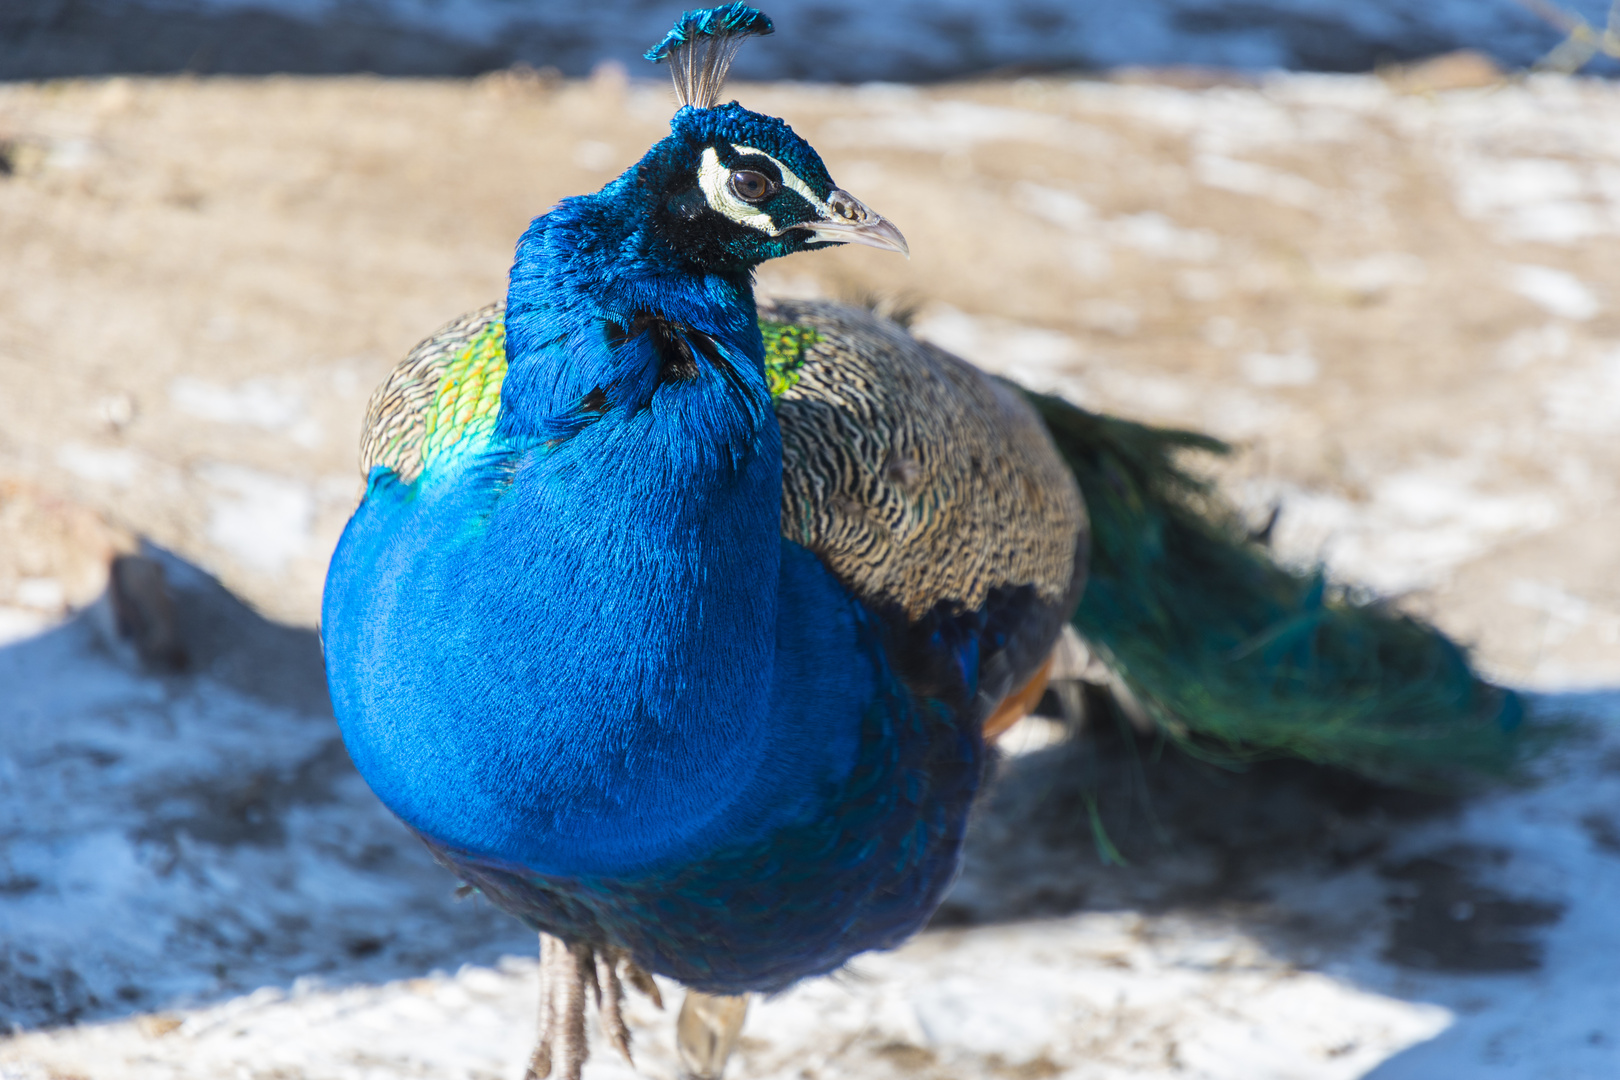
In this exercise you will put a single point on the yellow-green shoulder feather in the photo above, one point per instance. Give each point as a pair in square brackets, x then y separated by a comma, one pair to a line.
[916, 478]
[448, 389]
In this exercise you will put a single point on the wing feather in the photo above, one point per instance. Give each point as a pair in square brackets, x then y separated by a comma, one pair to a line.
[918, 479]
[403, 418]
[932, 491]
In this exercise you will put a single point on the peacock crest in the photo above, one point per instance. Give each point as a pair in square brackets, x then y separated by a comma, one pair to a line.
[702, 46]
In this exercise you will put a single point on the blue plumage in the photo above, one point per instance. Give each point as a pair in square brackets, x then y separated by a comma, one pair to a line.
[856, 858]
[685, 709]
[581, 662]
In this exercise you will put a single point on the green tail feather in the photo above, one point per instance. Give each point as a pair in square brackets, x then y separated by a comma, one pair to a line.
[1237, 657]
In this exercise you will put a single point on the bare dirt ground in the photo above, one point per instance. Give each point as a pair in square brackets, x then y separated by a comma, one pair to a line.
[1402, 306]
[1399, 297]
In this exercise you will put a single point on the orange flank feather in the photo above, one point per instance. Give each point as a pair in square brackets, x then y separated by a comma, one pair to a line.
[1018, 704]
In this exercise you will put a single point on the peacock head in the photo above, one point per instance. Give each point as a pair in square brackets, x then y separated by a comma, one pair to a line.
[730, 188]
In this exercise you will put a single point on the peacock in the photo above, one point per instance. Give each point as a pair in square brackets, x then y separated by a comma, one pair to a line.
[680, 625]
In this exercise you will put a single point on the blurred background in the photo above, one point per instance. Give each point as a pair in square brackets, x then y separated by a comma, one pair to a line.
[1372, 245]
[819, 40]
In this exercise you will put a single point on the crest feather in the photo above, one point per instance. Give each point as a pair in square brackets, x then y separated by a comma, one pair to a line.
[702, 46]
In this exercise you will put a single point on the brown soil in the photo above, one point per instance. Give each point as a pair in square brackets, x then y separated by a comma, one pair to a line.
[203, 279]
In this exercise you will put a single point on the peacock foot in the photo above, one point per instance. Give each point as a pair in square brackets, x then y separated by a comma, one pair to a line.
[567, 973]
[706, 1032]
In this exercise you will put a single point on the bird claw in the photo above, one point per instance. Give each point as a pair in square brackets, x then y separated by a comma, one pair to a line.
[567, 972]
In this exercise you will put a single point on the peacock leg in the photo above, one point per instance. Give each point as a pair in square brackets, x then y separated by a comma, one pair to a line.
[564, 970]
[569, 973]
[706, 1032]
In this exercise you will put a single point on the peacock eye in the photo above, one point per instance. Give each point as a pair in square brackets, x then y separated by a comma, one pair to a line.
[750, 186]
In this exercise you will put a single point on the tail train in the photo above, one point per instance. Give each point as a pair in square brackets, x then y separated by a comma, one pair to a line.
[1237, 657]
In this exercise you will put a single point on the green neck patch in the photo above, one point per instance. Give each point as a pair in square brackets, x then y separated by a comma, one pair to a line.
[785, 348]
[465, 404]
[469, 394]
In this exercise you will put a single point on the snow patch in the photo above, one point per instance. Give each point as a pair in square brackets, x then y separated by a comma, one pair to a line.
[1280, 369]
[1588, 399]
[18, 623]
[262, 520]
[40, 593]
[271, 404]
[1149, 232]
[101, 465]
[1062, 208]
[1155, 234]
[947, 126]
[1249, 178]
[1377, 275]
[1029, 355]
[1528, 346]
[1557, 291]
[1413, 531]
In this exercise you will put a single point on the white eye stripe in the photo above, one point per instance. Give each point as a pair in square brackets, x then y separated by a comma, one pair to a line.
[791, 181]
[712, 177]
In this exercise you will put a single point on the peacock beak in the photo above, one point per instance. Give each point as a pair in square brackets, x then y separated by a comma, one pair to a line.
[850, 221]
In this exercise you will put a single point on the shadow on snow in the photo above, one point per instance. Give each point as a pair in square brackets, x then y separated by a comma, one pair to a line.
[180, 837]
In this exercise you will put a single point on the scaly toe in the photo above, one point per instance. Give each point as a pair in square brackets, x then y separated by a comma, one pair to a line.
[569, 974]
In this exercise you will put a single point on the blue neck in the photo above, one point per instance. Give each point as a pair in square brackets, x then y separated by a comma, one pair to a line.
[653, 517]
[583, 273]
